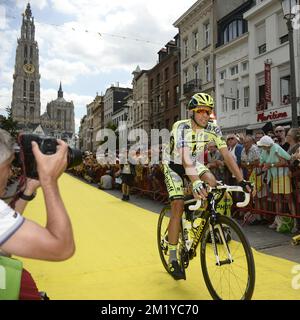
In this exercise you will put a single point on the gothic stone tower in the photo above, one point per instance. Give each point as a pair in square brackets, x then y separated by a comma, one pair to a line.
[26, 105]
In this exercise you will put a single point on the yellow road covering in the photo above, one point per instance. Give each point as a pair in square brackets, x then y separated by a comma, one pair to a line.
[117, 257]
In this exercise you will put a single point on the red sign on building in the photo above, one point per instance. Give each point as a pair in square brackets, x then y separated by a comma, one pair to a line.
[267, 82]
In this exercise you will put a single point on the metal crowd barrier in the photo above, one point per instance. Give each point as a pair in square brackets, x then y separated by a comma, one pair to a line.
[277, 192]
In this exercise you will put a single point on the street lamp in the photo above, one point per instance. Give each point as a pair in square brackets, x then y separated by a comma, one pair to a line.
[287, 6]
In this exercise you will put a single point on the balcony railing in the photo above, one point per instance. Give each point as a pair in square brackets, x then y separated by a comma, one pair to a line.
[192, 86]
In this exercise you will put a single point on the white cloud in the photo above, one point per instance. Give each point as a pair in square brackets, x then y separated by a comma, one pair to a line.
[5, 99]
[61, 70]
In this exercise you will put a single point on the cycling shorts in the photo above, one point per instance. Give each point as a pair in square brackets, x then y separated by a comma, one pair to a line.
[174, 178]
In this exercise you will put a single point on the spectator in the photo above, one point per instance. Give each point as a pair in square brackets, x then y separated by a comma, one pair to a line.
[250, 164]
[127, 176]
[273, 158]
[271, 134]
[258, 135]
[215, 161]
[280, 135]
[286, 99]
[236, 150]
[293, 138]
[106, 181]
[250, 156]
[23, 237]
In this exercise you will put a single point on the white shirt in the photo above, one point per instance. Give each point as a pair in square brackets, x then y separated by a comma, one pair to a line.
[10, 221]
[106, 182]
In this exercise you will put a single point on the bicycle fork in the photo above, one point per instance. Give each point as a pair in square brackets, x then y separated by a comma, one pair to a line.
[229, 260]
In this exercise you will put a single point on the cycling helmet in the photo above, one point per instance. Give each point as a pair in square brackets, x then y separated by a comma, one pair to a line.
[201, 100]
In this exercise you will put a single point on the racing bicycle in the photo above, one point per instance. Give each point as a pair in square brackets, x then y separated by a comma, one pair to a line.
[225, 253]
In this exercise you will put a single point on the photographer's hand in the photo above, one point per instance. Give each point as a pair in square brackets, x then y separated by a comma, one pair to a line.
[50, 167]
[31, 186]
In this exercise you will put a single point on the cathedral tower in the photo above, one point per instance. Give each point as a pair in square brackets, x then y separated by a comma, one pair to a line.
[26, 104]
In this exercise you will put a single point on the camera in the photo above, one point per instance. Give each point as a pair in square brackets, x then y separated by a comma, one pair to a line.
[24, 156]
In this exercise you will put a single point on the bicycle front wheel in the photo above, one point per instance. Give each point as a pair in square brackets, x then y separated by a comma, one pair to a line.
[228, 267]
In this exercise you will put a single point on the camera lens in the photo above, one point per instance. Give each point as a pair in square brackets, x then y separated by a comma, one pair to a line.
[74, 157]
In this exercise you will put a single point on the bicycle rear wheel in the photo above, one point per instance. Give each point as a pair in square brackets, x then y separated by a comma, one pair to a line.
[233, 278]
[162, 240]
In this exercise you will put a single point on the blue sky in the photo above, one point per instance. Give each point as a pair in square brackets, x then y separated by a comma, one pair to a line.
[72, 50]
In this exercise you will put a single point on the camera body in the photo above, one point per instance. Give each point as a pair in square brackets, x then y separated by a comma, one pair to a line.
[47, 146]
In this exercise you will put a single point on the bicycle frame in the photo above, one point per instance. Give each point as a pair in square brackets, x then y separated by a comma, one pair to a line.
[209, 215]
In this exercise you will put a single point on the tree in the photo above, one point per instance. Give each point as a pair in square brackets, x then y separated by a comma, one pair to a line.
[8, 123]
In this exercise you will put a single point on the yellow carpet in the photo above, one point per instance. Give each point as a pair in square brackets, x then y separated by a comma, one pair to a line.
[117, 258]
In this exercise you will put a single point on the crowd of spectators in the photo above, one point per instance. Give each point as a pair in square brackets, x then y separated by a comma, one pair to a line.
[270, 160]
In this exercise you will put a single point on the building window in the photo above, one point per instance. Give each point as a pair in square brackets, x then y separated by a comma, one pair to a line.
[245, 66]
[207, 69]
[206, 28]
[285, 87]
[224, 103]
[284, 39]
[158, 79]
[167, 98]
[185, 76]
[196, 71]
[233, 30]
[157, 104]
[195, 37]
[31, 54]
[25, 52]
[237, 99]
[31, 112]
[167, 124]
[246, 97]
[223, 75]
[166, 74]
[282, 29]
[261, 38]
[262, 49]
[151, 84]
[24, 89]
[31, 91]
[176, 67]
[234, 70]
[261, 105]
[185, 48]
[176, 95]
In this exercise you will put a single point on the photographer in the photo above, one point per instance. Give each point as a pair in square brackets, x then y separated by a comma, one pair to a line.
[25, 238]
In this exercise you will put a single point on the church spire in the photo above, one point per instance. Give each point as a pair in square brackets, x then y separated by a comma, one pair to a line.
[28, 12]
[60, 92]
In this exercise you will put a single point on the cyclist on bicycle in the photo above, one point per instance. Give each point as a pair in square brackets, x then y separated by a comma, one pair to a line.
[186, 150]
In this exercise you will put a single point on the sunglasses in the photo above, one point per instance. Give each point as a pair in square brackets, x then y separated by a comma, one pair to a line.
[230, 138]
[203, 111]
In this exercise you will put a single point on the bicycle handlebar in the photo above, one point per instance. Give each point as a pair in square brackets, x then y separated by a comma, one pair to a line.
[228, 188]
